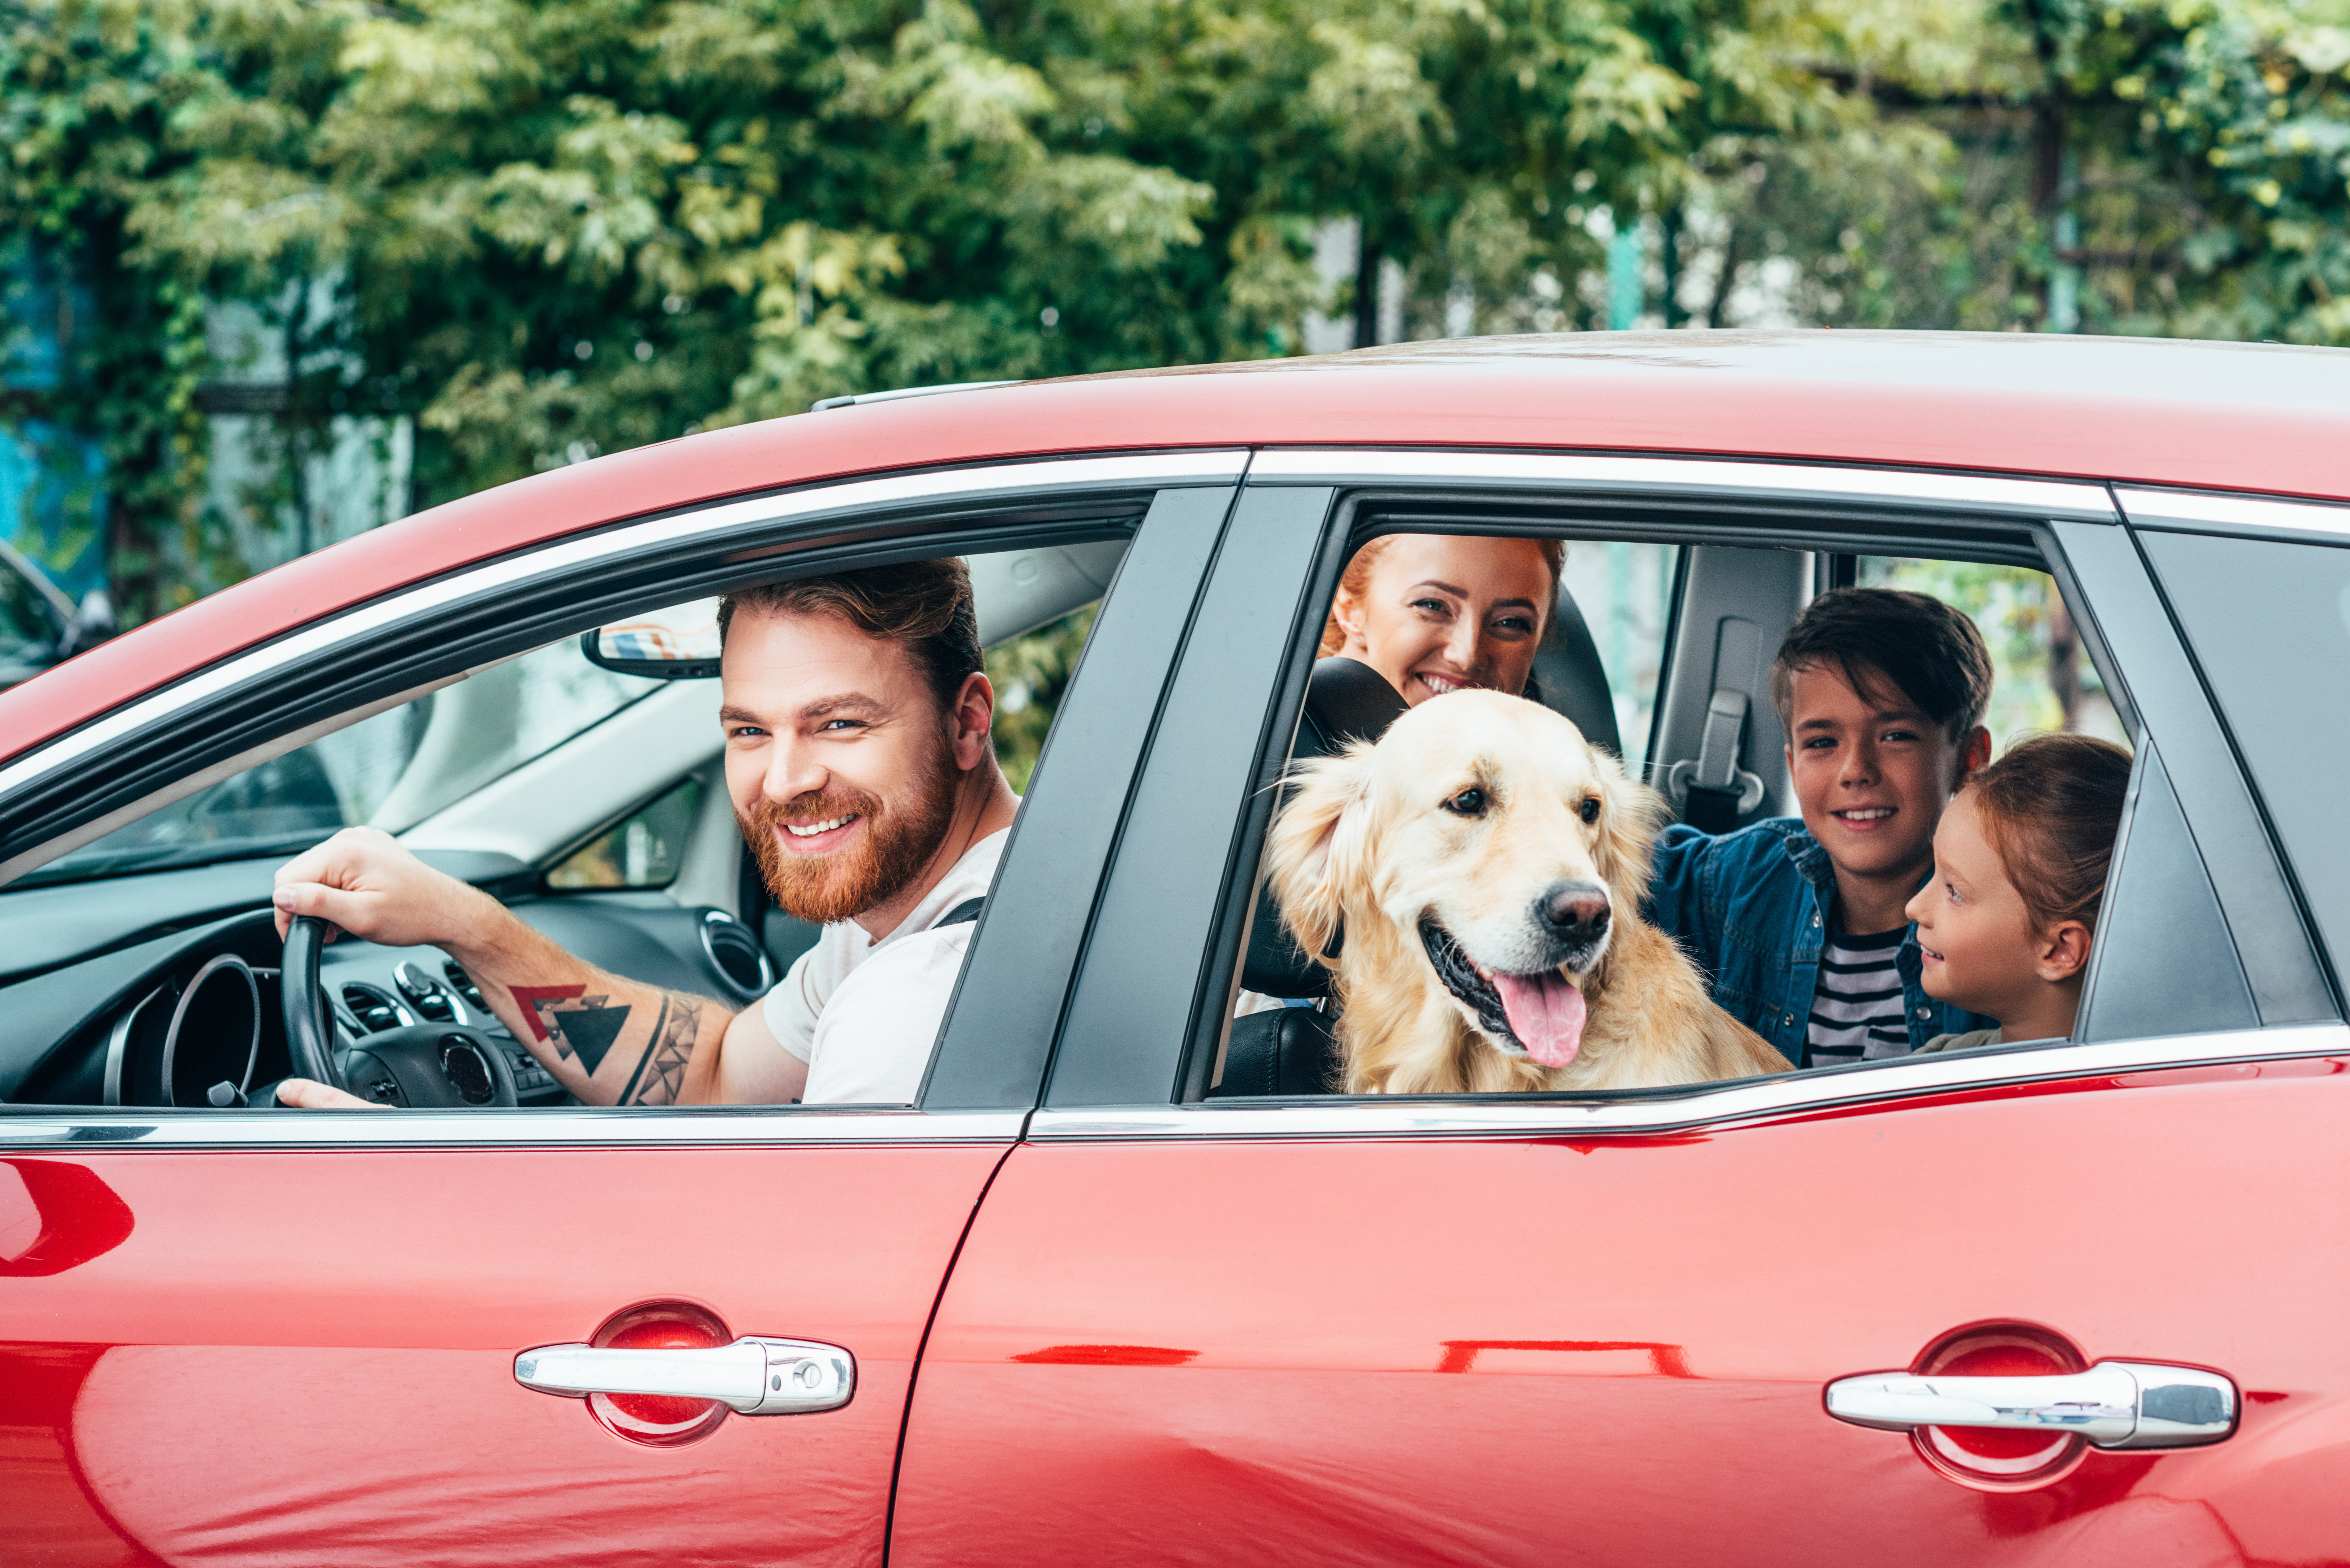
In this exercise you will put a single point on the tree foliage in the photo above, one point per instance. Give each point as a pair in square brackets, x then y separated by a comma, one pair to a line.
[544, 229]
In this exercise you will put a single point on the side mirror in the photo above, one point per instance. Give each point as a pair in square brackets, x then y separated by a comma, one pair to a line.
[678, 643]
[93, 623]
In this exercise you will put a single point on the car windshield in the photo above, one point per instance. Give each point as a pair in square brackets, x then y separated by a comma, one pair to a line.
[391, 771]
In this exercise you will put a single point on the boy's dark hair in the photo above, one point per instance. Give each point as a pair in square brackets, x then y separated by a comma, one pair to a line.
[926, 605]
[1932, 654]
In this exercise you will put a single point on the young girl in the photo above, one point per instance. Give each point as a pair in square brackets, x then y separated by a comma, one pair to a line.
[2020, 863]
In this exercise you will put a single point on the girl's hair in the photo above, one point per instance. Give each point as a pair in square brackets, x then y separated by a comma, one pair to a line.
[1357, 579]
[2051, 807]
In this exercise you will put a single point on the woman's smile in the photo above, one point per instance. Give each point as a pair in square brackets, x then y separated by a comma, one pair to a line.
[1439, 683]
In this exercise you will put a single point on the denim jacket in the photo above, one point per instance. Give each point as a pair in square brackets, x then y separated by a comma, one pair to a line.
[1752, 909]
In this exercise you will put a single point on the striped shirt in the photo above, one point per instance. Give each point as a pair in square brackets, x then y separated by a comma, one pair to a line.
[1857, 1010]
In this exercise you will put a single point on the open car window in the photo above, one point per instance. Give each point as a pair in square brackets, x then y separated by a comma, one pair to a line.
[593, 801]
[1644, 644]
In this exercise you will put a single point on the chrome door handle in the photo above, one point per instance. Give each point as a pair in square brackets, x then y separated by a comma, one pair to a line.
[2115, 1404]
[752, 1377]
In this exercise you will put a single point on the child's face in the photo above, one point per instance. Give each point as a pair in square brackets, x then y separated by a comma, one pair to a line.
[1973, 928]
[1871, 775]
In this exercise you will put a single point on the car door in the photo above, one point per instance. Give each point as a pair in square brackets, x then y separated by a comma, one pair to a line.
[1507, 1329]
[250, 1336]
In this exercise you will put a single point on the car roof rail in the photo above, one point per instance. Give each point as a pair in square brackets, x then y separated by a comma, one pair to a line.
[823, 404]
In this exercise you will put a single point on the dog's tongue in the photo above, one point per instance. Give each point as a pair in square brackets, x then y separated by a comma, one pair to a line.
[1546, 1013]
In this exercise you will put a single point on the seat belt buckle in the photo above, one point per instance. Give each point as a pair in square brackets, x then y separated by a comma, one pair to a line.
[1713, 792]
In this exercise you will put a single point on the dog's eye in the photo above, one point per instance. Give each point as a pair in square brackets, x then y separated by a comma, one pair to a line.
[1468, 803]
[1591, 809]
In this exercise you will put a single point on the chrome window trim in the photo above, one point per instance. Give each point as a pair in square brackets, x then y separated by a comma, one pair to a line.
[1223, 466]
[1786, 481]
[570, 1126]
[2202, 512]
[1833, 1089]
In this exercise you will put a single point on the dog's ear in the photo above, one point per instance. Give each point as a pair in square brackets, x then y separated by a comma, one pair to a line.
[1318, 844]
[1634, 815]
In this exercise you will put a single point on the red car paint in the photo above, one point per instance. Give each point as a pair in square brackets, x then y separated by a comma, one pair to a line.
[2238, 416]
[265, 1371]
[1530, 1350]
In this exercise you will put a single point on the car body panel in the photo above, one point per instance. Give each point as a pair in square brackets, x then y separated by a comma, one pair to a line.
[2233, 416]
[1611, 1349]
[309, 1355]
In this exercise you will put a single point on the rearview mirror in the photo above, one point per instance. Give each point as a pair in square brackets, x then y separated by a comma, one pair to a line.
[678, 643]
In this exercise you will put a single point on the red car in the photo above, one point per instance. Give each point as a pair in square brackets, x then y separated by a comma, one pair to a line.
[1110, 1293]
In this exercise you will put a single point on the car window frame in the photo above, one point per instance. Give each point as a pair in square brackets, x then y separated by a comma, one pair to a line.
[1149, 498]
[1694, 500]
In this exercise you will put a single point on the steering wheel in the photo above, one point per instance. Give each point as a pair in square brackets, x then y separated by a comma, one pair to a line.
[424, 1065]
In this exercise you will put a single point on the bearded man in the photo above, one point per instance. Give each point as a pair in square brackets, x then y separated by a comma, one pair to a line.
[861, 765]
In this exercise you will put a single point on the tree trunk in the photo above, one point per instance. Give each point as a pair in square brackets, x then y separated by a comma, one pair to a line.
[1366, 290]
[1674, 315]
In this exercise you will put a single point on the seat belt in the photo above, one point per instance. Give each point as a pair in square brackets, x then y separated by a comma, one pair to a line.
[965, 911]
[1713, 792]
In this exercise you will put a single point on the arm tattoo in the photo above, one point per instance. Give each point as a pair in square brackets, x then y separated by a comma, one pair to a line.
[659, 1076]
[576, 1026]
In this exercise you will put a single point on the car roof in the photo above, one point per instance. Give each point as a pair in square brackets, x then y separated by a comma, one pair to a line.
[2252, 417]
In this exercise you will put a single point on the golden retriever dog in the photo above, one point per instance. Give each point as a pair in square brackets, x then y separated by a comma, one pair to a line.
[1481, 868]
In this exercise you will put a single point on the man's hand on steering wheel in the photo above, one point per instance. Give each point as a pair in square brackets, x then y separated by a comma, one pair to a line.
[363, 882]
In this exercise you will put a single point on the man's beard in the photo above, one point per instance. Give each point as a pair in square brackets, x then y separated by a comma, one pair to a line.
[897, 843]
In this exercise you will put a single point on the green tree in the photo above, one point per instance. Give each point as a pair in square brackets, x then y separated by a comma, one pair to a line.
[550, 228]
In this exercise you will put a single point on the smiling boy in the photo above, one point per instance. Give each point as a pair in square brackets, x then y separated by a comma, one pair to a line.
[1799, 924]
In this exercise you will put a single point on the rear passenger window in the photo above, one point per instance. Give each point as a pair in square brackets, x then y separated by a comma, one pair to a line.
[1398, 944]
[2269, 624]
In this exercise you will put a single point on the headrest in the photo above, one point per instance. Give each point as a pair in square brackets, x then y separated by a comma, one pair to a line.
[1344, 700]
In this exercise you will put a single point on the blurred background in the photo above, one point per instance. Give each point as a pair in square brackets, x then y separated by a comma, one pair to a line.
[275, 273]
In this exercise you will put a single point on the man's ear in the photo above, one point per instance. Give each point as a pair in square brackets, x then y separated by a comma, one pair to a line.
[1973, 754]
[971, 723]
[2064, 953]
[1319, 845]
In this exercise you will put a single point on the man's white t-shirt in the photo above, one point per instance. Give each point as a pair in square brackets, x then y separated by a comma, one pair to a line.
[864, 1014]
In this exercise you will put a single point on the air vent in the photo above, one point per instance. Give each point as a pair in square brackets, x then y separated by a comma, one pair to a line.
[463, 984]
[375, 1011]
[736, 953]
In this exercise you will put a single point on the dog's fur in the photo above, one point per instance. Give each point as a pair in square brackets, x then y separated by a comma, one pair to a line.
[1368, 850]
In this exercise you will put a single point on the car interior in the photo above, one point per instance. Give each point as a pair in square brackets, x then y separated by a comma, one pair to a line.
[143, 969]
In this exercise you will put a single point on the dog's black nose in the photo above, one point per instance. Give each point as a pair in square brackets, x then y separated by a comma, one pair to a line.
[1575, 911]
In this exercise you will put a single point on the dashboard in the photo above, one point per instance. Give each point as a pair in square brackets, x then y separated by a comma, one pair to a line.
[175, 1001]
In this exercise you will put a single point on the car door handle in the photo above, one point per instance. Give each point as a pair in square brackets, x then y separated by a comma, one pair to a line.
[753, 1377]
[2115, 1404]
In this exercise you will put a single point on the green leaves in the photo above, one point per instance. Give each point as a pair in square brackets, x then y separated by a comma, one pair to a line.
[549, 228]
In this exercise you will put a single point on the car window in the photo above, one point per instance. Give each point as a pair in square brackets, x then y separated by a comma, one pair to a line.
[642, 850]
[1720, 899]
[2270, 623]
